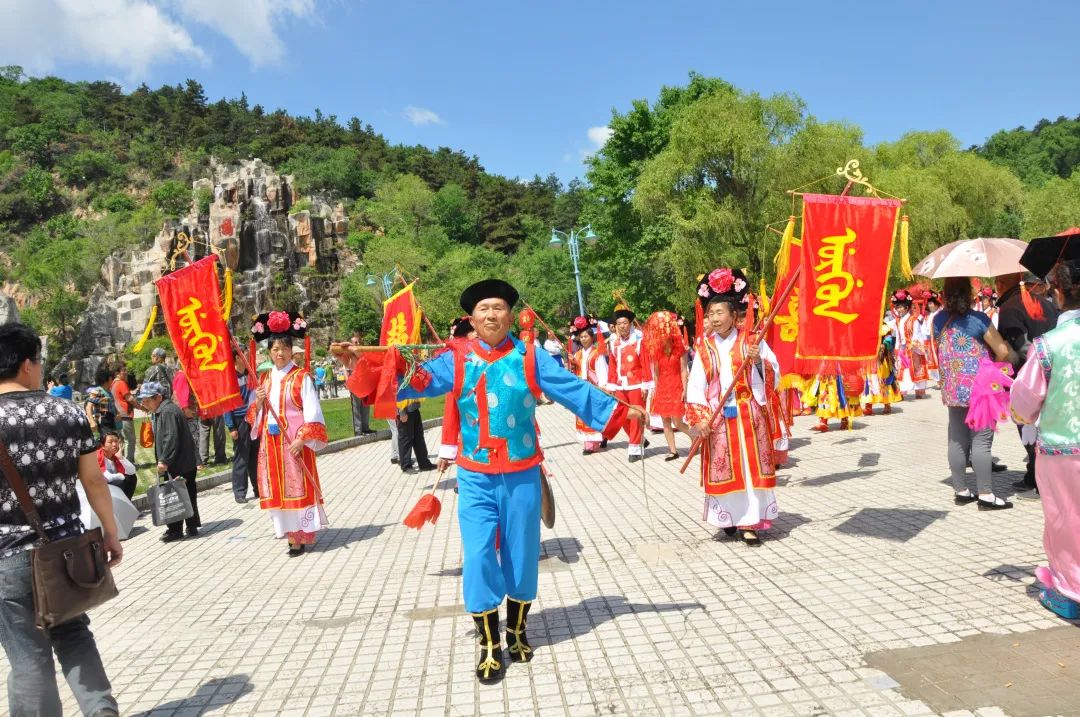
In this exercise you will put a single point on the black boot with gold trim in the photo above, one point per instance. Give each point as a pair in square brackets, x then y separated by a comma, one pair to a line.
[516, 640]
[491, 666]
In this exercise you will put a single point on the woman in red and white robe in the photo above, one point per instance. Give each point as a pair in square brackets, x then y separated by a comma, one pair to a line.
[289, 435]
[589, 363]
[737, 462]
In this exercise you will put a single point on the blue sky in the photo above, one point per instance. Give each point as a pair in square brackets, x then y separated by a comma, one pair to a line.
[529, 87]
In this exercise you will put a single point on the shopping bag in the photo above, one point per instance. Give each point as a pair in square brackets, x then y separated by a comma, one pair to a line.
[146, 435]
[169, 502]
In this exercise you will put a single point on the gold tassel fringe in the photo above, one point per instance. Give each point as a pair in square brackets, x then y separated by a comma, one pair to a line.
[905, 256]
[146, 332]
[226, 302]
[763, 296]
[782, 257]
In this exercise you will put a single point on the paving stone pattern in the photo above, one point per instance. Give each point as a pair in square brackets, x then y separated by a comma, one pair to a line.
[642, 611]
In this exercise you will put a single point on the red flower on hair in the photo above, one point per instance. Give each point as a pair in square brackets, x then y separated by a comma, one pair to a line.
[278, 322]
[580, 322]
[721, 280]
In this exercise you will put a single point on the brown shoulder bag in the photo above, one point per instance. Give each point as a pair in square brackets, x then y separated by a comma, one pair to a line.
[70, 575]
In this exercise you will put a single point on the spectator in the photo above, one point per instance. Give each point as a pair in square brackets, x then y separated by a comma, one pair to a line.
[554, 347]
[1019, 329]
[1047, 389]
[245, 448]
[320, 380]
[964, 336]
[52, 451]
[125, 411]
[174, 450]
[117, 470]
[361, 413]
[159, 371]
[62, 388]
[189, 407]
[99, 406]
[212, 428]
[410, 437]
[333, 376]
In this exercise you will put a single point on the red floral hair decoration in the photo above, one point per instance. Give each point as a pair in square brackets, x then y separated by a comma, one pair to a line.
[721, 280]
[278, 322]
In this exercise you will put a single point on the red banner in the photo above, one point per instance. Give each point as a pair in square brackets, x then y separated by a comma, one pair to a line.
[847, 245]
[191, 305]
[785, 327]
[401, 319]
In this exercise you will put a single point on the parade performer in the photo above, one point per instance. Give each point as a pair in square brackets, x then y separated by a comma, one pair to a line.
[289, 435]
[832, 394]
[933, 307]
[495, 380]
[1046, 390]
[737, 465]
[665, 344]
[988, 303]
[629, 377]
[910, 351]
[589, 363]
[880, 377]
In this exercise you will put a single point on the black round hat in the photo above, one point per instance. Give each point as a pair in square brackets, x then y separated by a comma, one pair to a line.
[488, 289]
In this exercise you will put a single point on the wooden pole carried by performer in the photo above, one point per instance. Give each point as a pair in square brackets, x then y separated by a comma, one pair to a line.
[760, 330]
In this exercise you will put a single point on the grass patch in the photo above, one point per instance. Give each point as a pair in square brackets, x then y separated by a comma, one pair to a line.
[337, 413]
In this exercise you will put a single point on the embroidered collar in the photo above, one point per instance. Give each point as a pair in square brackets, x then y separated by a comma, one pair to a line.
[486, 352]
[285, 369]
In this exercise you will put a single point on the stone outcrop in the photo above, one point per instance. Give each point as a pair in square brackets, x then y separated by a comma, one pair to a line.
[9, 312]
[250, 229]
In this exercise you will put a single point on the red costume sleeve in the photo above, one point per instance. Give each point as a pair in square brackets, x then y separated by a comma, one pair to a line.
[618, 418]
[696, 413]
[313, 432]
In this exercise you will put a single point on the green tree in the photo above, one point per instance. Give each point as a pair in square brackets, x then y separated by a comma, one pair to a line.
[712, 181]
[172, 197]
[56, 315]
[88, 166]
[1052, 208]
[358, 309]
[455, 213]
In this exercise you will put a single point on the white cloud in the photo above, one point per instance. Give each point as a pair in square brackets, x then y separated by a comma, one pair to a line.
[421, 116]
[251, 25]
[599, 136]
[129, 35]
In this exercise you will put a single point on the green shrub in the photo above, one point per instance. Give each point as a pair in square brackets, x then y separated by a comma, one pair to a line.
[172, 197]
[88, 166]
[115, 202]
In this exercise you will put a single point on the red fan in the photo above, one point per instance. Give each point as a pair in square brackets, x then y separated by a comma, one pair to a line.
[427, 509]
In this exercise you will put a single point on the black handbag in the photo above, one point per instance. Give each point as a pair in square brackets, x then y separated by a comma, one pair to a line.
[69, 576]
[169, 501]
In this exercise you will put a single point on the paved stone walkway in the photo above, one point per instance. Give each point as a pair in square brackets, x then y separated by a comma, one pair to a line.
[638, 614]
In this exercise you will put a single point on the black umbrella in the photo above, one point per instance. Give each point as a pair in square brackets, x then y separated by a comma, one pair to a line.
[1041, 254]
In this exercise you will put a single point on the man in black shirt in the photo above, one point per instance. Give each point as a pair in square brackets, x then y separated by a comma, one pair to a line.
[52, 446]
[1019, 328]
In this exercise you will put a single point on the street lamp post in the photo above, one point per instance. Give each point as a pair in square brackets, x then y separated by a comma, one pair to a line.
[387, 282]
[573, 241]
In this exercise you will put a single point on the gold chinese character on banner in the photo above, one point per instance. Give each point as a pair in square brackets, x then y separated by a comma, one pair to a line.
[204, 345]
[835, 283]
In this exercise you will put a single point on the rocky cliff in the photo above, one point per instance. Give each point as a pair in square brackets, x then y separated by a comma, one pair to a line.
[277, 256]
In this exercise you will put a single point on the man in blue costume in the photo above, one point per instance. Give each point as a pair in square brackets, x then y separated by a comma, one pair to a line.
[495, 380]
